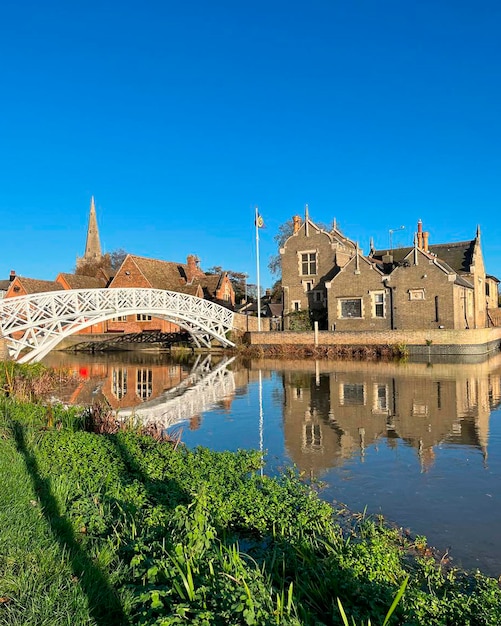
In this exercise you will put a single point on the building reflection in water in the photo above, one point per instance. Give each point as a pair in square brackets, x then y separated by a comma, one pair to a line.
[151, 387]
[337, 410]
[332, 411]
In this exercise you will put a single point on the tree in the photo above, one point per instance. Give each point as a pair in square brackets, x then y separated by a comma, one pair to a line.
[109, 263]
[285, 230]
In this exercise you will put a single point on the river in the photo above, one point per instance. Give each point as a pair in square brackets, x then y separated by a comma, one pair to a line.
[419, 443]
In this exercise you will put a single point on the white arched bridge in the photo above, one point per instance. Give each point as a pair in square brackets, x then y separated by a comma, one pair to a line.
[35, 324]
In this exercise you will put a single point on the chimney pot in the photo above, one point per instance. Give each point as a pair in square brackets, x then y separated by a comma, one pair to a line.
[12, 275]
[296, 220]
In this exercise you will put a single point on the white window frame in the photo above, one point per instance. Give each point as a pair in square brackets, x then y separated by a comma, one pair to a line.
[119, 382]
[376, 404]
[374, 296]
[295, 305]
[310, 261]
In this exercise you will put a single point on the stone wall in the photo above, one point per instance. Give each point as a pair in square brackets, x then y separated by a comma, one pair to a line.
[4, 354]
[249, 323]
[433, 341]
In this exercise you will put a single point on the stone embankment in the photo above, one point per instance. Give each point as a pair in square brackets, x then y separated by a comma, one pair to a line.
[434, 342]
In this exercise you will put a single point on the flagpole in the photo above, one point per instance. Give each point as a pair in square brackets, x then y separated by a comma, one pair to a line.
[261, 421]
[256, 221]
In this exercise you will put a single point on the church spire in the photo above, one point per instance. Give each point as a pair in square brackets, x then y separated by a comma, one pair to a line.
[93, 252]
[92, 245]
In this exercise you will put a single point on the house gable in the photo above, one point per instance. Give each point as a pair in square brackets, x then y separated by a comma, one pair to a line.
[22, 286]
[357, 297]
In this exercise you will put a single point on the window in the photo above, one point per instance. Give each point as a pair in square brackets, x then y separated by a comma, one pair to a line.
[351, 308]
[144, 383]
[352, 394]
[380, 404]
[317, 296]
[312, 436]
[308, 285]
[119, 318]
[378, 304]
[119, 382]
[141, 317]
[308, 263]
[296, 305]
[416, 294]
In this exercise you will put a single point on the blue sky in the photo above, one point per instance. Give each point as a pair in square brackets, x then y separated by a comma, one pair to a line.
[181, 117]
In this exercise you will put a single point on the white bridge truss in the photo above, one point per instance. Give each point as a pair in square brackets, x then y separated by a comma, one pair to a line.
[203, 389]
[33, 325]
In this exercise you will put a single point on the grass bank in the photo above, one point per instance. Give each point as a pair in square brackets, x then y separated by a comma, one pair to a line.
[122, 529]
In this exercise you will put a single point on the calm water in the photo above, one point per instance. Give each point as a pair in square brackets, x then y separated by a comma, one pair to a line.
[419, 443]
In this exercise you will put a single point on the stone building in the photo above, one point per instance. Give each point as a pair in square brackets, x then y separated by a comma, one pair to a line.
[440, 286]
[310, 258]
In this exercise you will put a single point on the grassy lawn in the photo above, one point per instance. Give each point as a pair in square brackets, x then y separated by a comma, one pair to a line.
[122, 529]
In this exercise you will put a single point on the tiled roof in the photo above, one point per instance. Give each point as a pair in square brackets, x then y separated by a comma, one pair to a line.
[276, 308]
[458, 256]
[162, 274]
[4, 285]
[33, 285]
[190, 290]
[77, 281]
[209, 283]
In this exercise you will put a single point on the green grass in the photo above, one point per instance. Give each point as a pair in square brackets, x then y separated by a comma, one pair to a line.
[36, 579]
[121, 529]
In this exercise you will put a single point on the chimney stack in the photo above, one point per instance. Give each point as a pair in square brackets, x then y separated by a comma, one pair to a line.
[12, 275]
[426, 234]
[192, 270]
[296, 220]
[420, 234]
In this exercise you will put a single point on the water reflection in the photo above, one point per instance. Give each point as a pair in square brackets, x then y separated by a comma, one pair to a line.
[419, 443]
[337, 410]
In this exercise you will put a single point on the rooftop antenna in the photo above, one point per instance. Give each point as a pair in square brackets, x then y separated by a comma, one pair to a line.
[394, 230]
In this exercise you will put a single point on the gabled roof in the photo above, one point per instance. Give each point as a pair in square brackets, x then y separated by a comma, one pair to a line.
[78, 281]
[441, 264]
[458, 256]
[210, 283]
[161, 274]
[276, 309]
[34, 285]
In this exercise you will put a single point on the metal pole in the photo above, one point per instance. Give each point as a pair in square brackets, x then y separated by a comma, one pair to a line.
[257, 273]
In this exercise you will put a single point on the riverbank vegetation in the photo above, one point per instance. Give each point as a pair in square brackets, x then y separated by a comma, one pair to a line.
[386, 352]
[121, 528]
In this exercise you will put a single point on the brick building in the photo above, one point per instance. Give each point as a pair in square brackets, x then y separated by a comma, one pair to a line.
[187, 278]
[421, 287]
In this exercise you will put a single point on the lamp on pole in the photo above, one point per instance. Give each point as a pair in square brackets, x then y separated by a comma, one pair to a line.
[394, 230]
